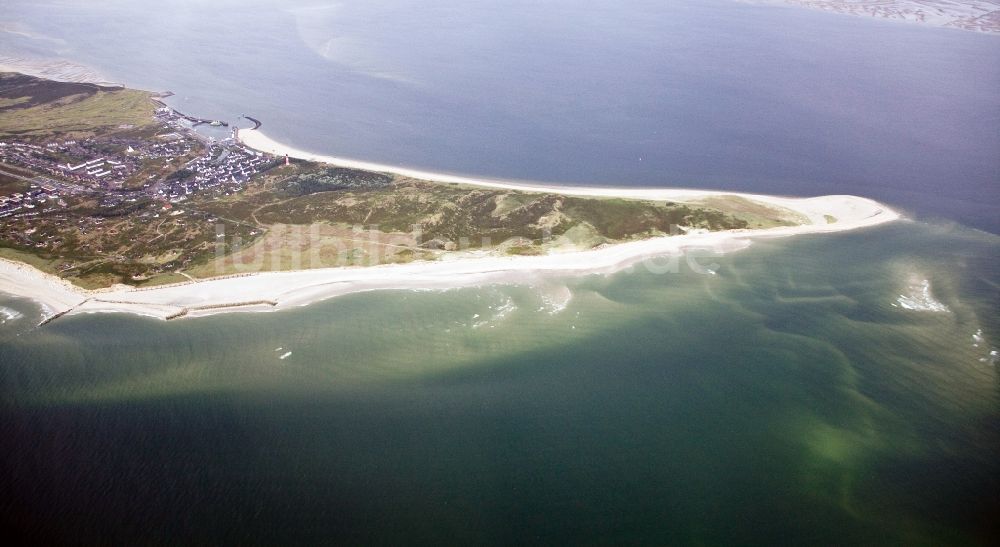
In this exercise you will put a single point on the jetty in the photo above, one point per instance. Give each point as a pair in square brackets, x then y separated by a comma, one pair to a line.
[256, 122]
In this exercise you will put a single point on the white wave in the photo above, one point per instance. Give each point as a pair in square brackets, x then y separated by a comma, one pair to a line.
[920, 298]
[9, 315]
[555, 299]
[992, 359]
[285, 355]
[500, 312]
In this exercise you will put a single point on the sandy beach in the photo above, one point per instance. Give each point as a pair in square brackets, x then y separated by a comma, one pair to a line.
[847, 209]
[269, 291]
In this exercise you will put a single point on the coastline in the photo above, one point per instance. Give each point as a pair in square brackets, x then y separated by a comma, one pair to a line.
[270, 291]
[814, 210]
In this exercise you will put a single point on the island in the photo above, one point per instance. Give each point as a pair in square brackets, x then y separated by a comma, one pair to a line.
[971, 15]
[110, 200]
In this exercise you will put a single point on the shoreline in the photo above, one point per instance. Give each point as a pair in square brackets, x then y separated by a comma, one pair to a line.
[815, 211]
[258, 140]
[271, 291]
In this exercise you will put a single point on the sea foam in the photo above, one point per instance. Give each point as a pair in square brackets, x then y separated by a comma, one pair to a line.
[919, 298]
[555, 299]
[500, 312]
[9, 315]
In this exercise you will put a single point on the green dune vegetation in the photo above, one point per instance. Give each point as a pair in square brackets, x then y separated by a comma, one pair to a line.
[33, 108]
[331, 216]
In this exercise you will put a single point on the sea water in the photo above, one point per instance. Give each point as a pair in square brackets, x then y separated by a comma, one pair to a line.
[834, 388]
[789, 398]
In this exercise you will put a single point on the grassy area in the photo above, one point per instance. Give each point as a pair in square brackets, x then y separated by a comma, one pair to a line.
[7, 103]
[455, 216]
[79, 117]
[135, 243]
[524, 250]
[319, 245]
[756, 214]
[317, 216]
[35, 108]
[10, 185]
[30, 258]
[162, 279]
[310, 216]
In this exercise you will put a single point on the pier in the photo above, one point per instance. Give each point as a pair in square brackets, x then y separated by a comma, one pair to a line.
[256, 122]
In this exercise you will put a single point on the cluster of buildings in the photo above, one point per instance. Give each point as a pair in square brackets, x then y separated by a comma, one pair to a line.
[37, 158]
[116, 168]
[122, 173]
[97, 168]
[30, 202]
[85, 162]
[169, 146]
[225, 168]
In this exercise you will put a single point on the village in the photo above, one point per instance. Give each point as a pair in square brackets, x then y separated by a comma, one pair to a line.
[167, 167]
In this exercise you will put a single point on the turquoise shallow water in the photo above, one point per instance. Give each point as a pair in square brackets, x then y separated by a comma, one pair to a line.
[788, 399]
